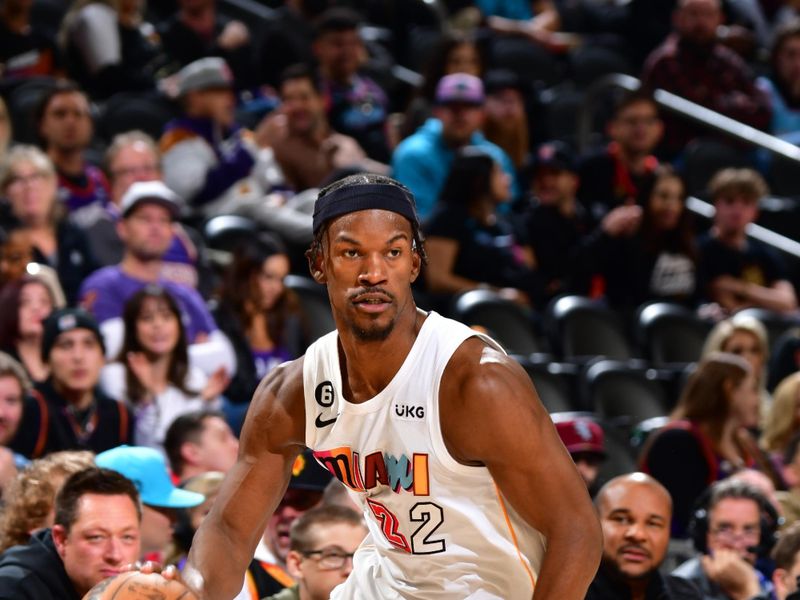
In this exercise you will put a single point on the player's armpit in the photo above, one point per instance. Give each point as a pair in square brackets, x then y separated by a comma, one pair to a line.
[491, 415]
[272, 437]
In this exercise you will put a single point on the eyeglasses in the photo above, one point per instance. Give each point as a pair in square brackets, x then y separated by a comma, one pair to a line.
[728, 534]
[329, 559]
[19, 180]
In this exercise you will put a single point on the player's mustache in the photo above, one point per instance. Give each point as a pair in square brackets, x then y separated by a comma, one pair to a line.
[368, 291]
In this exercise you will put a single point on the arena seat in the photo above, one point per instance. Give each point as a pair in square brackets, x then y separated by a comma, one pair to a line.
[225, 231]
[670, 334]
[314, 301]
[551, 386]
[22, 102]
[581, 329]
[125, 110]
[506, 321]
[623, 394]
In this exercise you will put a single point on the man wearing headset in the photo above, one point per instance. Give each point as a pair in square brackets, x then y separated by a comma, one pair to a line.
[732, 530]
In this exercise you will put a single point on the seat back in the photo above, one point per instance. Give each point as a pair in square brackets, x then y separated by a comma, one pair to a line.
[125, 111]
[22, 103]
[314, 301]
[582, 329]
[507, 322]
[671, 334]
[551, 387]
[225, 232]
[623, 394]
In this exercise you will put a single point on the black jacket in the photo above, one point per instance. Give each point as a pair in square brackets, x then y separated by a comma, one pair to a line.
[661, 587]
[35, 572]
[46, 425]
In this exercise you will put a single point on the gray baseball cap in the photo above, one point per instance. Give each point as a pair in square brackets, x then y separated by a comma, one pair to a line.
[204, 74]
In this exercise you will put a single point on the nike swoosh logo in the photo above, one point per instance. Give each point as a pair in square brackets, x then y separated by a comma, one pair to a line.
[320, 422]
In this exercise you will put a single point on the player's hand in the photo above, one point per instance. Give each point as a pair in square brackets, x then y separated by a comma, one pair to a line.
[732, 573]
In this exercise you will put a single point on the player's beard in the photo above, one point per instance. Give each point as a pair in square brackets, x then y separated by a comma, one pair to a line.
[374, 333]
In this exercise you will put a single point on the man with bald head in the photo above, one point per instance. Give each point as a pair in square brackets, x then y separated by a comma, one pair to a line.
[635, 512]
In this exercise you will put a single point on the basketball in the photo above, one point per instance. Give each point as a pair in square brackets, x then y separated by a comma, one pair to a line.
[139, 586]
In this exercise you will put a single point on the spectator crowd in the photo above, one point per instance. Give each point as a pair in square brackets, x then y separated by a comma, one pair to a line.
[159, 165]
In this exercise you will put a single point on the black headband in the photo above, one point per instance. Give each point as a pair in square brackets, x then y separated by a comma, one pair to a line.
[351, 198]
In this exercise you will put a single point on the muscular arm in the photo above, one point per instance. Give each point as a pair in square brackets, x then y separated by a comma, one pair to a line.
[271, 439]
[491, 415]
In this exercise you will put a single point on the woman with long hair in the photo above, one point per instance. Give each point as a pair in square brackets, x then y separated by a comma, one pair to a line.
[708, 436]
[646, 253]
[153, 373]
[470, 244]
[24, 305]
[260, 315]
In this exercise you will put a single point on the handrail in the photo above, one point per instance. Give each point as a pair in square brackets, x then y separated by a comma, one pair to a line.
[685, 108]
[755, 231]
[252, 8]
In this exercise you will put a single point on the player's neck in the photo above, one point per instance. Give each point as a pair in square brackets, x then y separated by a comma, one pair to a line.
[363, 376]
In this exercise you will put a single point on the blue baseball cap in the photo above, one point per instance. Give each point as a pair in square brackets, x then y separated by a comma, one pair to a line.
[147, 469]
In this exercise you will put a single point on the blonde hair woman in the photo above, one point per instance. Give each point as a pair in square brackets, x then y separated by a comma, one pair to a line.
[31, 497]
[744, 336]
[783, 418]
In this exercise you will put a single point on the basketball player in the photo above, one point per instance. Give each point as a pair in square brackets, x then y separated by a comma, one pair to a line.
[438, 435]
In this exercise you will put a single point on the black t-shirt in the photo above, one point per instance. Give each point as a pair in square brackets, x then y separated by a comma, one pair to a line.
[755, 263]
[554, 239]
[32, 54]
[486, 253]
[632, 274]
[603, 186]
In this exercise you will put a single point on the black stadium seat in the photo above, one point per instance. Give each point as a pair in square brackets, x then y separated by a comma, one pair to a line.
[623, 394]
[551, 386]
[226, 231]
[125, 111]
[582, 329]
[316, 307]
[507, 322]
[671, 335]
[22, 103]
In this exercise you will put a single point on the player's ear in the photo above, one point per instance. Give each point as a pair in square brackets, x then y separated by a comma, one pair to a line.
[314, 257]
[416, 263]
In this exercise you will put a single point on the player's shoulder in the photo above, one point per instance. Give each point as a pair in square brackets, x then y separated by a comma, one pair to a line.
[278, 401]
[478, 367]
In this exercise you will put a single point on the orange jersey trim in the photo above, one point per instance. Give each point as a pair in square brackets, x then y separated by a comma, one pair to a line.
[514, 538]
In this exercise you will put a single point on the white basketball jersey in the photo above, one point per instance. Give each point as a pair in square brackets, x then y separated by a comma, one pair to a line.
[437, 529]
